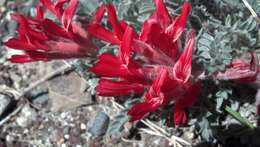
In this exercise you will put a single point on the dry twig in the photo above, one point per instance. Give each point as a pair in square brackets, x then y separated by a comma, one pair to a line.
[61, 70]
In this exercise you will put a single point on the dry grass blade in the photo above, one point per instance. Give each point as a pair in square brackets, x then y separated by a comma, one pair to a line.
[157, 127]
[12, 114]
[148, 131]
[155, 133]
[5, 89]
[253, 13]
[129, 141]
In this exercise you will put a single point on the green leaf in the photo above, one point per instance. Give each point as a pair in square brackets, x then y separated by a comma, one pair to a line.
[213, 52]
[238, 117]
[204, 129]
[89, 5]
[117, 123]
[119, 120]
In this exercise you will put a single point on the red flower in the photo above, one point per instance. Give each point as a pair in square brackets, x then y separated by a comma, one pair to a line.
[184, 102]
[118, 88]
[160, 27]
[149, 61]
[121, 66]
[119, 27]
[42, 39]
[153, 99]
[171, 84]
[240, 70]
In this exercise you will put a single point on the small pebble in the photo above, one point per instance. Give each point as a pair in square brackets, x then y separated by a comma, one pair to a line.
[65, 123]
[63, 115]
[83, 126]
[60, 142]
[72, 125]
[26, 117]
[9, 138]
[67, 136]
[25, 131]
[100, 124]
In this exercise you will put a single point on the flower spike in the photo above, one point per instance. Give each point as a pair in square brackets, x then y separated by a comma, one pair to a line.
[41, 43]
[240, 70]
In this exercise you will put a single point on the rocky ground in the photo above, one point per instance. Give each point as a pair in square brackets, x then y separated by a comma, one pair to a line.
[61, 111]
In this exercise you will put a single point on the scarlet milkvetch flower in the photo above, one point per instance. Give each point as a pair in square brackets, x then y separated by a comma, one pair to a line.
[240, 70]
[150, 64]
[43, 39]
[121, 66]
[172, 83]
[113, 36]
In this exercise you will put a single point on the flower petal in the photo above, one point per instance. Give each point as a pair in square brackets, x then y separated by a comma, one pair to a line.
[182, 68]
[140, 109]
[48, 27]
[19, 44]
[150, 54]
[126, 46]
[189, 97]
[152, 33]
[177, 27]
[103, 33]
[241, 71]
[112, 18]
[153, 99]
[59, 7]
[39, 12]
[159, 81]
[23, 24]
[186, 101]
[109, 65]
[97, 17]
[68, 13]
[118, 88]
[162, 14]
[179, 117]
[21, 59]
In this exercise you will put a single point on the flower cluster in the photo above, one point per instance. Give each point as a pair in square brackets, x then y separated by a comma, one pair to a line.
[240, 69]
[43, 39]
[151, 62]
